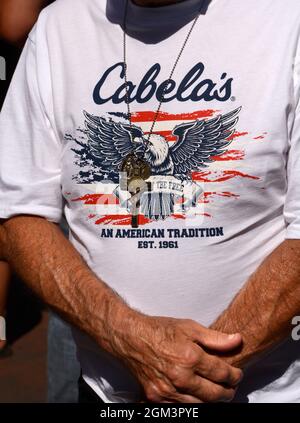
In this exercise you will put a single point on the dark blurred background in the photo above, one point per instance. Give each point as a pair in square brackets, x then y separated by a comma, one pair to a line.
[23, 375]
[11, 55]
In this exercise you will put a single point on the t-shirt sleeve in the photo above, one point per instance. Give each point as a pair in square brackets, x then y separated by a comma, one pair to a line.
[292, 201]
[30, 152]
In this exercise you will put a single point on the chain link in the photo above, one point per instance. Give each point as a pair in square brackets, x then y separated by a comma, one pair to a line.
[167, 82]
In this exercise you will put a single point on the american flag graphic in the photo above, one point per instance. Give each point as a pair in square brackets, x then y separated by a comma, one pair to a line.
[219, 179]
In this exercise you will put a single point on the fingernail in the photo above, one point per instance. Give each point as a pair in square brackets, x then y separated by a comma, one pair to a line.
[232, 336]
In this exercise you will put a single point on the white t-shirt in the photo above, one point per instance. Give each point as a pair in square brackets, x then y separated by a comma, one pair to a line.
[225, 158]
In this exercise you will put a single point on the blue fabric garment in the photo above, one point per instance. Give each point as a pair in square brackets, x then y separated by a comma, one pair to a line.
[63, 367]
[151, 25]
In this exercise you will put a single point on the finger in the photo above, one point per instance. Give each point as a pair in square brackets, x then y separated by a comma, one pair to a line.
[217, 370]
[189, 383]
[163, 391]
[207, 391]
[216, 340]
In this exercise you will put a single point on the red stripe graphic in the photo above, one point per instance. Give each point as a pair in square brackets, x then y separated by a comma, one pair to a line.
[148, 116]
[225, 175]
[120, 219]
[230, 155]
[181, 216]
[168, 135]
[237, 135]
[208, 196]
[94, 199]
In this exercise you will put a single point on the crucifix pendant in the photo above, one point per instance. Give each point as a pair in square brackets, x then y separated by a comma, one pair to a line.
[137, 172]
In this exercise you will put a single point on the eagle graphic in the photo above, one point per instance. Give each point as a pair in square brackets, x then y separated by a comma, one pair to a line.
[196, 145]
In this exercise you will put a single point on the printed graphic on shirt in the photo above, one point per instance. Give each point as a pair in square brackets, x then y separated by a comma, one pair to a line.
[195, 86]
[181, 152]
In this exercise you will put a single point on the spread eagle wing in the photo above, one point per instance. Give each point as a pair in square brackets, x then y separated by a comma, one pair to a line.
[200, 140]
[110, 142]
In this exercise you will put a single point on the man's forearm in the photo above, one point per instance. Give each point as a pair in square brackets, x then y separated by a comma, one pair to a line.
[262, 311]
[50, 265]
[162, 352]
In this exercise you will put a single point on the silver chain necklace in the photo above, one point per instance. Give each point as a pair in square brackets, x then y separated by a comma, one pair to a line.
[168, 80]
[135, 166]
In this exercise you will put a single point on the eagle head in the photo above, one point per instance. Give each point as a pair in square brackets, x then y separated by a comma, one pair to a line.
[157, 150]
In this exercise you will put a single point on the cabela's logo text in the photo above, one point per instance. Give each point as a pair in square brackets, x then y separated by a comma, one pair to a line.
[194, 86]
